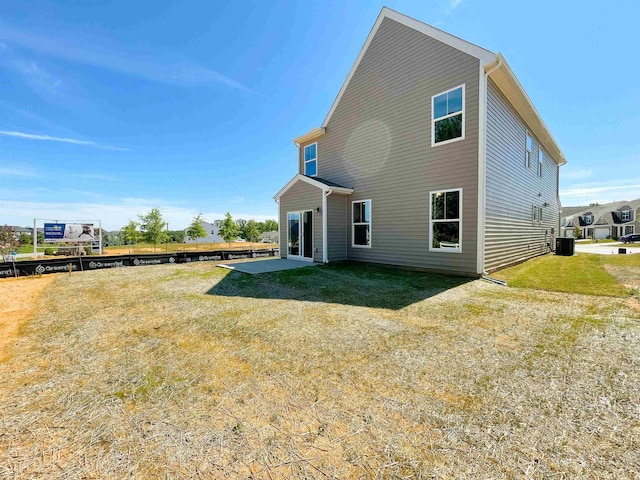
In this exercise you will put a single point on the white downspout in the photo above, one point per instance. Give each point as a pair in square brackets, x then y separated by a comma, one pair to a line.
[325, 221]
[279, 229]
[482, 163]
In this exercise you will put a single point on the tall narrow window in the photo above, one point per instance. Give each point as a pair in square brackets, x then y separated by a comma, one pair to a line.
[310, 160]
[446, 220]
[361, 224]
[447, 123]
[527, 156]
[540, 161]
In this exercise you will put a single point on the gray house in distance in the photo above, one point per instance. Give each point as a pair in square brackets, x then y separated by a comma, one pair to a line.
[610, 220]
[431, 156]
[212, 234]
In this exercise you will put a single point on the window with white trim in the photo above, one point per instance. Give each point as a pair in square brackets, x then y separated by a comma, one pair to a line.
[361, 224]
[540, 161]
[445, 220]
[529, 148]
[311, 160]
[447, 116]
[626, 215]
[536, 213]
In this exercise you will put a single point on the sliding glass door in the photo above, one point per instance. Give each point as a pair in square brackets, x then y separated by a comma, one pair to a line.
[300, 235]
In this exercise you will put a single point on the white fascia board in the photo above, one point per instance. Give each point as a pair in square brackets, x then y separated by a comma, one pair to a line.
[485, 56]
[315, 183]
[511, 88]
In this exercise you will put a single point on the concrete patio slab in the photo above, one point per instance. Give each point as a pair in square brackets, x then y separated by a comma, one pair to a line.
[266, 266]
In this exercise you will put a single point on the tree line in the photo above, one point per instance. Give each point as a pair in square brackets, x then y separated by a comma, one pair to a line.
[152, 228]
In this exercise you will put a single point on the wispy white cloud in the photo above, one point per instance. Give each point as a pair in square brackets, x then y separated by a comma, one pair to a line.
[579, 174]
[18, 172]
[600, 192]
[453, 4]
[48, 138]
[237, 199]
[118, 59]
[37, 77]
[97, 176]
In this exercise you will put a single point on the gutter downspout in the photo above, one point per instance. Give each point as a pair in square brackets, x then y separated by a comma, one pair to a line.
[482, 165]
[325, 221]
[279, 230]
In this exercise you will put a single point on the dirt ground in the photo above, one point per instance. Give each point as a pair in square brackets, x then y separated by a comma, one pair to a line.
[18, 299]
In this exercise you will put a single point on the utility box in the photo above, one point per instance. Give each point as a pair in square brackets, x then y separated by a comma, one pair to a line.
[565, 246]
[622, 250]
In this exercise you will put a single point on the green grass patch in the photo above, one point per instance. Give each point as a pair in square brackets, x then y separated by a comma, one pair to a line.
[582, 273]
[589, 242]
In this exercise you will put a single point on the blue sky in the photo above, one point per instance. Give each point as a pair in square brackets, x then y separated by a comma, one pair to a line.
[109, 109]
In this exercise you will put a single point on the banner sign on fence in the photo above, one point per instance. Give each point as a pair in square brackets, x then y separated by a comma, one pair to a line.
[68, 232]
[44, 266]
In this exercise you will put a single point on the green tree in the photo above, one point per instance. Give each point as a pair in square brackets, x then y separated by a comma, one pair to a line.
[153, 227]
[577, 232]
[229, 230]
[176, 236]
[196, 229]
[269, 226]
[25, 239]
[251, 231]
[130, 235]
[8, 241]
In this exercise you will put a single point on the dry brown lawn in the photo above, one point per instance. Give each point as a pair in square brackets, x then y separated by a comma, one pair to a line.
[192, 371]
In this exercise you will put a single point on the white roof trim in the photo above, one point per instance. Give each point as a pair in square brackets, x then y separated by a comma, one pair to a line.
[511, 88]
[485, 56]
[315, 183]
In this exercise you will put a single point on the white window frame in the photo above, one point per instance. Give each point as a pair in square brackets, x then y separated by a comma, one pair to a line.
[444, 220]
[528, 149]
[540, 160]
[305, 161]
[370, 223]
[625, 215]
[433, 120]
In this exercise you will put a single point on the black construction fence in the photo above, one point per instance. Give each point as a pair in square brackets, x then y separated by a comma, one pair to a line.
[78, 264]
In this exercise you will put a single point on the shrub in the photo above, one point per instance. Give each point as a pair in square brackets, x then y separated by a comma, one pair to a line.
[48, 251]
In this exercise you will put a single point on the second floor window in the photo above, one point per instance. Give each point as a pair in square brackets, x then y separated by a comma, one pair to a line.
[311, 160]
[626, 215]
[540, 161]
[447, 123]
[527, 155]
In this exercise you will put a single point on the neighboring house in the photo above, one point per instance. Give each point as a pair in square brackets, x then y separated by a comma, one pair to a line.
[212, 234]
[610, 220]
[431, 156]
[269, 237]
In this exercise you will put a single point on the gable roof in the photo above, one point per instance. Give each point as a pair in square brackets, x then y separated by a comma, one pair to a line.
[495, 66]
[605, 212]
[322, 184]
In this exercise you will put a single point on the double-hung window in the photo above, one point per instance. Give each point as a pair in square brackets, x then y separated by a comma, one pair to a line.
[536, 214]
[447, 122]
[445, 220]
[540, 161]
[626, 215]
[529, 149]
[311, 160]
[361, 224]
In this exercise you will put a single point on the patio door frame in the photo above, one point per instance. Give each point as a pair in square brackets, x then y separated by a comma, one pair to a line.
[301, 234]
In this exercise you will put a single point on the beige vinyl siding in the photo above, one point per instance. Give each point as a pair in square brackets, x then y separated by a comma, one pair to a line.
[378, 142]
[512, 189]
[302, 196]
[337, 226]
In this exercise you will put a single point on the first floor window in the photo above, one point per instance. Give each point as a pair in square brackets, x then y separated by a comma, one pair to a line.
[447, 116]
[446, 220]
[536, 214]
[311, 160]
[361, 224]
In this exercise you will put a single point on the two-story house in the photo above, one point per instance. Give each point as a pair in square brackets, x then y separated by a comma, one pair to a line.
[609, 220]
[432, 156]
